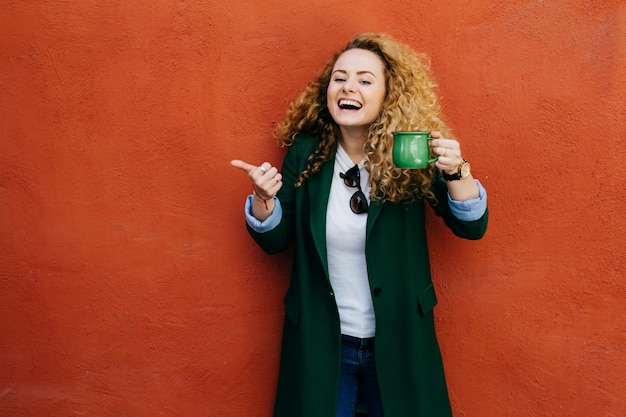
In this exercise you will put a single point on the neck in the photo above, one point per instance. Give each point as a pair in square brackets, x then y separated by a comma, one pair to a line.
[352, 142]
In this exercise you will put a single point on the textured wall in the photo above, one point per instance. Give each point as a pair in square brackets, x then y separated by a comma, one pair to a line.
[128, 285]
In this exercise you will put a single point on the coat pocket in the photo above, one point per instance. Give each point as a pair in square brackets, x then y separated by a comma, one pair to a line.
[427, 299]
[292, 309]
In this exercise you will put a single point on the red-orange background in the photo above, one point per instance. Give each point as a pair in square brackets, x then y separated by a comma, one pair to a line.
[128, 285]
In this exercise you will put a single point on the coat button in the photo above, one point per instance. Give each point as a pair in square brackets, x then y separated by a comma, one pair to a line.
[378, 291]
[332, 294]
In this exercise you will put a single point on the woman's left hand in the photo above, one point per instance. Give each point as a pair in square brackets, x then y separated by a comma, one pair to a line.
[448, 151]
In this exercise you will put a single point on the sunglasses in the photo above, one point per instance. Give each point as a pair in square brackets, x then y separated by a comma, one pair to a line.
[352, 178]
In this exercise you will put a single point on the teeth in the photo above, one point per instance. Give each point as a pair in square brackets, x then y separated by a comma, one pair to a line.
[349, 104]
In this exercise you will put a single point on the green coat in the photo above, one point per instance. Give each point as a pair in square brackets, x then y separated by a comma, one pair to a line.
[408, 360]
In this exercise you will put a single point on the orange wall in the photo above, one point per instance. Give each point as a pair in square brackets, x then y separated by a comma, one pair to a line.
[128, 285]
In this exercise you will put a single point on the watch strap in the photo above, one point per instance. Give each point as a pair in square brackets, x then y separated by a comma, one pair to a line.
[451, 177]
[457, 175]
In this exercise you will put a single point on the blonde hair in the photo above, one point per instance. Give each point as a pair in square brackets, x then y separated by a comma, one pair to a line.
[410, 104]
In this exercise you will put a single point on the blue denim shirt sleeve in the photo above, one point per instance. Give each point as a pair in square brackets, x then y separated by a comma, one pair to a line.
[269, 223]
[470, 210]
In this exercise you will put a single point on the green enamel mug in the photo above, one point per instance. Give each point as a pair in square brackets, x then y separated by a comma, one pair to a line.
[412, 150]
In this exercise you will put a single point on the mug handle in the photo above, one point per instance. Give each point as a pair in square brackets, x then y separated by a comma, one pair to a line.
[431, 160]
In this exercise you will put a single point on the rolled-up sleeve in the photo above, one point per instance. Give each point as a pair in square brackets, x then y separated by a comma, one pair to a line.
[263, 226]
[469, 210]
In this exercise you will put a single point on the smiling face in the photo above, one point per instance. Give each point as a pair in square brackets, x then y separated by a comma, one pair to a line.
[357, 90]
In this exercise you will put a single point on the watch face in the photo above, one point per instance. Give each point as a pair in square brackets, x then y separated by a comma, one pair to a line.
[465, 170]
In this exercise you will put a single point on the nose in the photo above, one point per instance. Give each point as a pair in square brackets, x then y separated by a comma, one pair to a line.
[349, 86]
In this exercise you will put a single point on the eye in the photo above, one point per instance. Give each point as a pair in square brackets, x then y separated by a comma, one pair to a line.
[339, 79]
[365, 82]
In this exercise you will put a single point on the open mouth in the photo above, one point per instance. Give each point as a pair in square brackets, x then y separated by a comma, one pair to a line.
[349, 105]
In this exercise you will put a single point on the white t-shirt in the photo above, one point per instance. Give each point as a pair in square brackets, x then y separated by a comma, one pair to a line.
[345, 242]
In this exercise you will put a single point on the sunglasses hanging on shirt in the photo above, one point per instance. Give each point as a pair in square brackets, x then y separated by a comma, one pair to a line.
[352, 178]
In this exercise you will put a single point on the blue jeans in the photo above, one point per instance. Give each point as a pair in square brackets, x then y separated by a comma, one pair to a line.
[358, 377]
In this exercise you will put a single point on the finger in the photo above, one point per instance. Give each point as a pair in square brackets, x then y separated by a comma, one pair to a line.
[439, 151]
[264, 172]
[263, 175]
[442, 166]
[451, 144]
[275, 185]
[270, 173]
[244, 166]
[444, 143]
[265, 167]
[447, 152]
[268, 187]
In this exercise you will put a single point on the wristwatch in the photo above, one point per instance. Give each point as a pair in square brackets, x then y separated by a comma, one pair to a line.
[462, 171]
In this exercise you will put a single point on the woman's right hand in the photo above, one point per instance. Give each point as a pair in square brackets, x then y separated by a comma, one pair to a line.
[266, 181]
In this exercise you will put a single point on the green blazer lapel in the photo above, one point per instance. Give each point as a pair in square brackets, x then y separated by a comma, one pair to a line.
[319, 192]
[372, 215]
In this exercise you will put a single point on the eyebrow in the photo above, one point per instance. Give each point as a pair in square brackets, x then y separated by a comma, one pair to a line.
[358, 72]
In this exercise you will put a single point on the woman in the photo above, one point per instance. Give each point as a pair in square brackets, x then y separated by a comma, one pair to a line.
[359, 310]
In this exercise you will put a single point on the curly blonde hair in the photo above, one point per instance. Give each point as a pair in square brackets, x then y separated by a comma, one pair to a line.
[410, 105]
